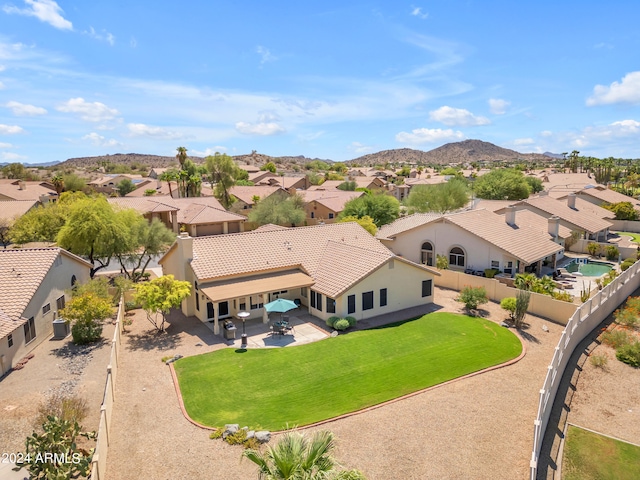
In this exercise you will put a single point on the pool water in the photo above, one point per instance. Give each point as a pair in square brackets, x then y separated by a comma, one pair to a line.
[589, 269]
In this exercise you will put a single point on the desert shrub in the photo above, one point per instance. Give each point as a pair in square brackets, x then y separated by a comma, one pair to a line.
[251, 443]
[609, 277]
[341, 324]
[442, 263]
[599, 361]
[350, 475]
[86, 331]
[236, 438]
[593, 248]
[217, 433]
[491, 272]
[472, 297]
[164, 359]
[627, 264]
[509, 304]
[352, 321]
[70, 408]
[629, 354]
[522, 305]
[627, 317]
[615, 338]
[612, 252]
[332, 320]
[130, 305]
[563, 296]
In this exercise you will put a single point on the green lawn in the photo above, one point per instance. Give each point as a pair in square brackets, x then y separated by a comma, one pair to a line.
[273, 388]
[635, 236]
[589, 456]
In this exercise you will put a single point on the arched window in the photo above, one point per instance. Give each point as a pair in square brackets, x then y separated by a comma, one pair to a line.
[456, 257]
[426, 254]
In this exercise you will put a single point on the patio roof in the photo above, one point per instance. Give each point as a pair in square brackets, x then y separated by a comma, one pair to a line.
[257, 284]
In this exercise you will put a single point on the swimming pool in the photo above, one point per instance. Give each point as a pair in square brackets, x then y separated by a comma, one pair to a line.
[590, 268]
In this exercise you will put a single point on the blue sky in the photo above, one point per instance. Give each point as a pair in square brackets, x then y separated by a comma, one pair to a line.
[323, 79]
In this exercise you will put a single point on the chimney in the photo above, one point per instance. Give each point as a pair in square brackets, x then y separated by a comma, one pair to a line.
[44, 199]
[510, 215]
[571, 200]
[185, 253]
[554, 227]
[22, 185]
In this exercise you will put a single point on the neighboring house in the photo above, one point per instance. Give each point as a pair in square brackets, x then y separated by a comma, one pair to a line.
[291, 183]
[156, 172]
[10, 211]
[372, 183]
[550, 226]
[337, 269]
[249, 168]
[263, 177]
[246, 195]
[197, 215]
[34, 283]
[600, 195]
[592, 225]
[108, 184]
[403, 190]
[474, 240]
[325, 205]
[23, 190]
[162, 189]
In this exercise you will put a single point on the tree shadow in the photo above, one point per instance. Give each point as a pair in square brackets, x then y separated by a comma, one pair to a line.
[528, 336]
[152, 340]
[71, 350]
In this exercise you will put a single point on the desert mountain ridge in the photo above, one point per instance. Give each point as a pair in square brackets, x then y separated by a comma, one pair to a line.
[466, 151]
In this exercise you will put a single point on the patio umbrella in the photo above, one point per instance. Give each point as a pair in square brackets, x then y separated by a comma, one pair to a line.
[280, 305]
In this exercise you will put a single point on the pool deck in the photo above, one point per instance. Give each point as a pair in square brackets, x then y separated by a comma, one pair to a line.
[574, 286]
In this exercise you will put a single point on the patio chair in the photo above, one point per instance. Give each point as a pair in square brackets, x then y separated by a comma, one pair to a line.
[564, 273]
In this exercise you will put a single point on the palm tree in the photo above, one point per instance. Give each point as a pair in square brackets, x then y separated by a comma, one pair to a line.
[182, 155]
[296, 457]
[58, 183]
[169, 176]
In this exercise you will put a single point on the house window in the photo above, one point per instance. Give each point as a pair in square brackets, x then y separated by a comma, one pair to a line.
[46, 309]
[331, 305]
[331, 215]
[195, 286]
[383, 297]
[456, 257]
[60, 303]
[29, 330]
[73, 280]
[255, 301]
[243, 303]
[367, 300]
[10, 340]
[427, 288]
[509, 268]
[313, 215]
[313, 299]
[197, 301]
[426, 254]
[319, 301]
[303, 292]
[351, 304]
[495, 264]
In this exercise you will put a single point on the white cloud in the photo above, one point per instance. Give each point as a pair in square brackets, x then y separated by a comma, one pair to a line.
[626, 91]
[429, 135]
[546, 133]
[24, 110]
[309, 137]
[524, 141]
[90, 112]
[11, 156]
[101, 141]
[46, 11]
[498, 106]
[457, 117]
[260, 128]
[417, 12]
[142, 130]
[10, 129]
[2, 68]
[208, 151]
[5, 145]
[265, 54]
[104, 36]
[359, 147]
[1, 86]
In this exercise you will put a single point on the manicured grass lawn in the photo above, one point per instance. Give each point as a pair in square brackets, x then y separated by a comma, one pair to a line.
[273, 388]
[635, 236]
[589, 456]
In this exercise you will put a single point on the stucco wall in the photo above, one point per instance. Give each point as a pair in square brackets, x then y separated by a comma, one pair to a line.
[443, 237]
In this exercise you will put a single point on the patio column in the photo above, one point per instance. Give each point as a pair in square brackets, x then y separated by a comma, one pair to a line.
[225, 227]
[539, 267]
[265, 314]
[216, 325]
[520, 266]
[241, 226]
[554, 261]
[174, 222]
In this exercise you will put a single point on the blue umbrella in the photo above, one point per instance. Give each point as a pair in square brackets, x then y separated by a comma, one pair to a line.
[280, 305]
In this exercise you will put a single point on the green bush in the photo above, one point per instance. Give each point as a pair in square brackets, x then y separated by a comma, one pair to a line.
[629, 354]
[593, 248]
[491, 272]
[217, 433]
[341, 324]
[352, 321]
[627, 264]
[599, 361]
[472, 297]
[563, 296]
[237, 438]
[509, 304]
[615, 338]
[86, 331]
[251, 443]
[130, 305]
[612, 252]
[332, 320]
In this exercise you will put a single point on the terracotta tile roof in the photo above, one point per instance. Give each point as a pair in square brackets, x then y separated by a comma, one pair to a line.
[361, 182]
[332, 199]
[491, 205]
[524, 243]
[197, 214]
[434, 180]
[582, 220]
[586, 206]
[220, 256]
[527, 218]
[10, 189]
[269, 227]
[246, 193]
[21, 273]
[117, 178]
[163, 190]
[404, 224]
[606, 195]
[12, 209]
[142, 204]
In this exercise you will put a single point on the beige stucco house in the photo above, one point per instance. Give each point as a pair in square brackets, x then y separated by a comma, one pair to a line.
[34, 283]
[325, 205]
[471, 241]
[337, 269]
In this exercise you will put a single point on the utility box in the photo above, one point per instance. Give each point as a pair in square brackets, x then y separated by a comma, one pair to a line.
[61, 329]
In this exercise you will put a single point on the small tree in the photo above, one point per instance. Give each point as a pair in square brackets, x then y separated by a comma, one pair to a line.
[87, 312]
[472, 297]
[442, 263]
[593, 248]
[611, 252]
[522, 304]
[159, 296]
[509, 304]
[125, 186]
[365, 222]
